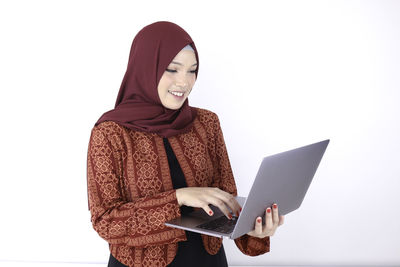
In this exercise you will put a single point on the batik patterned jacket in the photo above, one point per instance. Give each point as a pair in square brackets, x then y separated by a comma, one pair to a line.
[131, 194]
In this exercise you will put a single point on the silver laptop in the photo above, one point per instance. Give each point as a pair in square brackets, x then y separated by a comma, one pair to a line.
[282, 178]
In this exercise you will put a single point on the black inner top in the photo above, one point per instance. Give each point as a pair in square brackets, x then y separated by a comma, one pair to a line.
[191, 251]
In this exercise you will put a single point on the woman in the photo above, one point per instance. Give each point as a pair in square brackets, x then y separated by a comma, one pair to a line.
[153, 157]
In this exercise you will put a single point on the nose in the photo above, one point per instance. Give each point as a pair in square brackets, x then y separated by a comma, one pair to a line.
[181, 82]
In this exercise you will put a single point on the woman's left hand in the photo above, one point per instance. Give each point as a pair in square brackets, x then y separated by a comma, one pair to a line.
[272, 221]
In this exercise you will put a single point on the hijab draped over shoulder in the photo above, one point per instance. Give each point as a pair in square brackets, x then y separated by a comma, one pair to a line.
[138, 105]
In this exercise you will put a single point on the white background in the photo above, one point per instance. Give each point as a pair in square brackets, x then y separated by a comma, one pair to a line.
[279, 74]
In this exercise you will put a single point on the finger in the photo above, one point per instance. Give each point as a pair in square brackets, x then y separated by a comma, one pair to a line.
[208, 210]
[275, 214]
[281, 219]
[268, 220]
[229, 200]
[258, 226]
[220, 204]
[233, 204]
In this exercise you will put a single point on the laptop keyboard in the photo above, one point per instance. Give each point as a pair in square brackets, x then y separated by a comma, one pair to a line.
[221, 224]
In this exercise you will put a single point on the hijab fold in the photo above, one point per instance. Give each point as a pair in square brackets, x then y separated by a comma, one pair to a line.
[138, 105]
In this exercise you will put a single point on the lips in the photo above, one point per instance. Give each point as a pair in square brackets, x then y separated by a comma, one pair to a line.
[177, 93]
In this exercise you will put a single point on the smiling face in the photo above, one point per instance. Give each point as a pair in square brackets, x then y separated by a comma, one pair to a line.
[178, 79]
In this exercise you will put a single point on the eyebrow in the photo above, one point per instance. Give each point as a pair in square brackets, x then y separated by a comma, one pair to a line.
[174, 62]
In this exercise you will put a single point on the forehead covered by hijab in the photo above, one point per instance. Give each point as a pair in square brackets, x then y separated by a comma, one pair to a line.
[152, 50]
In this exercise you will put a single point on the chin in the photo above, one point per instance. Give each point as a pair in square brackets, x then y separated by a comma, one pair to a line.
[174, 107]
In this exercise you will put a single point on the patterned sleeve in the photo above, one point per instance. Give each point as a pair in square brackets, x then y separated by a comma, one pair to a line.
[223, 176]
[138, 223]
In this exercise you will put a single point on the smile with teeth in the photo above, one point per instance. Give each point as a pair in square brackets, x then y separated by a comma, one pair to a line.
[176, 93]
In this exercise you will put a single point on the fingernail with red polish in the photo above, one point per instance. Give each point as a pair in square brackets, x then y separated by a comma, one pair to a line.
[275, 206]
[268, 210]
[210, 212]
[230, 217]
[240, 209]
[258, 220]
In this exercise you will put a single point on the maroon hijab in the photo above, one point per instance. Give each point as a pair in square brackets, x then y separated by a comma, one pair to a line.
[138, 105]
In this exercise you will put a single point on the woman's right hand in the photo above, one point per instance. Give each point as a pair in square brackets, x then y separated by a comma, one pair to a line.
[201, 197]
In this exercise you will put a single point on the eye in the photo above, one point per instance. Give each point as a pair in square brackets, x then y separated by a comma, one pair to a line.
[169, 70]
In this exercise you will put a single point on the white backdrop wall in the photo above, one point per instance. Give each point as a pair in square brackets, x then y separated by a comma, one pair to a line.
[279, 74]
